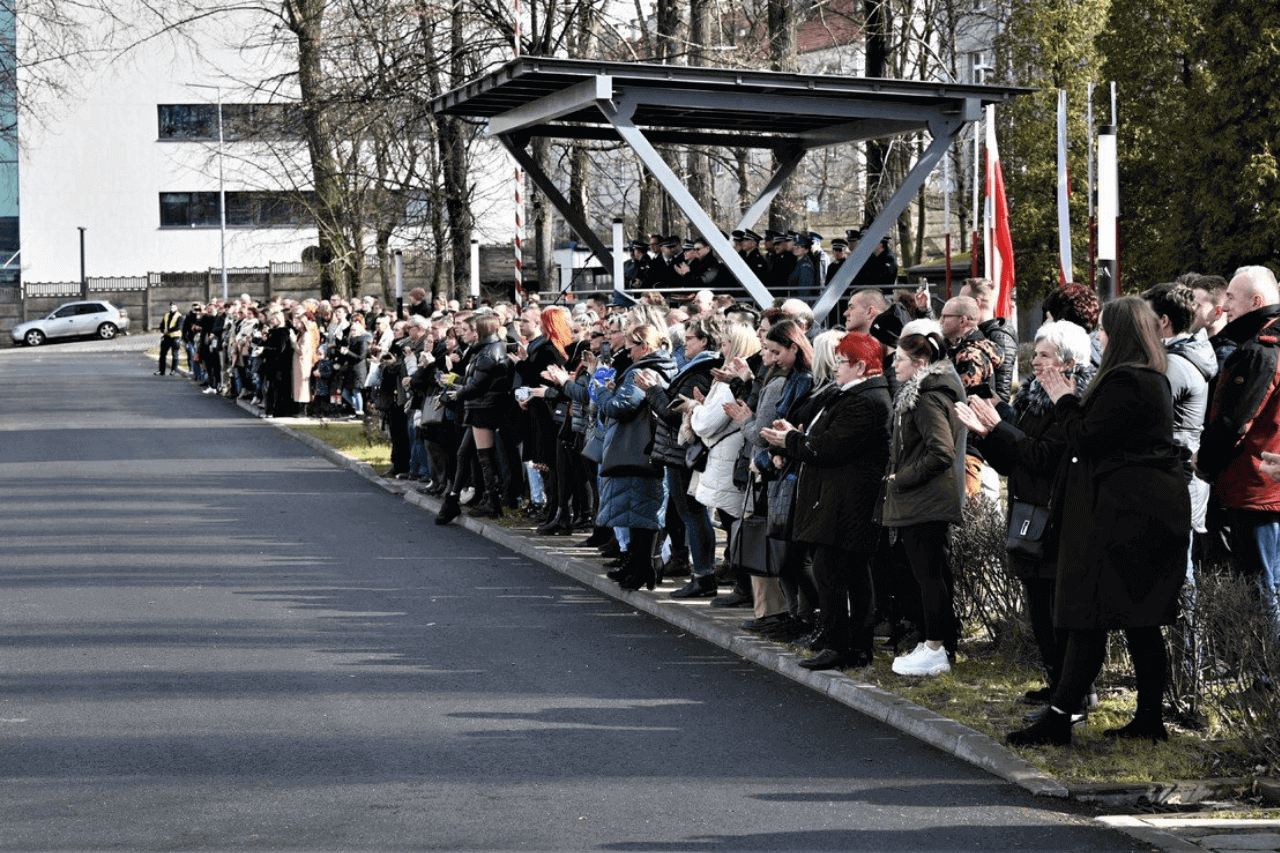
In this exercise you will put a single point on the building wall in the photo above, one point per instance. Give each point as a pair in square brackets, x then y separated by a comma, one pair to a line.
[95, 161]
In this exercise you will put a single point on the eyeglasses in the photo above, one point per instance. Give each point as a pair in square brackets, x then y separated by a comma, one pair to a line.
[843, 362]
[960, 316]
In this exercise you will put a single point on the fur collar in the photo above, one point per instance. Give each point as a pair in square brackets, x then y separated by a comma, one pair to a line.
[1032, 399]
[909, 391]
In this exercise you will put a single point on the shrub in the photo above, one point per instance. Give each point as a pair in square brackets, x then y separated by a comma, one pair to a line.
[987, 597]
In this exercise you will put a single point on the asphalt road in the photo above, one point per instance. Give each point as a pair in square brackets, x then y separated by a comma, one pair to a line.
[213, 639]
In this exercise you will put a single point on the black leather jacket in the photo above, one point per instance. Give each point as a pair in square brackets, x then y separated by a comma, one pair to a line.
[487, 383]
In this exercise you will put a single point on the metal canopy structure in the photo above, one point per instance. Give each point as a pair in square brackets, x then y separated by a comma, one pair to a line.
[646, 105]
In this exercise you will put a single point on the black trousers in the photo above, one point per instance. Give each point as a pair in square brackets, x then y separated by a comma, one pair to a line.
[1086, 652]
[926, 547]
[169, 346]
[846, 598]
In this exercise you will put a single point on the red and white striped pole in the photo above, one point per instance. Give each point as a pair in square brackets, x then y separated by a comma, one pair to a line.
[518, 239]
[519, 236]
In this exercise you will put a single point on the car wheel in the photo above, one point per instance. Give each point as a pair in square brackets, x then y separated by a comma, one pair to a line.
[107, 331]
[33, 338]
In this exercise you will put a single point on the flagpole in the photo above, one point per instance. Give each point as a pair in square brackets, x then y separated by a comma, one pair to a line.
[1065, 271]
[1108, 203]
[1091, 201]
[946, 215]
[977, 182]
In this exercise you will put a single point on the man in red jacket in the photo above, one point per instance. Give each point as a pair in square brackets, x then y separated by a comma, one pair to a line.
[1244, 422]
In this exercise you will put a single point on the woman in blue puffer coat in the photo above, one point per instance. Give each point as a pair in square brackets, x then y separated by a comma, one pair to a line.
[632, 489]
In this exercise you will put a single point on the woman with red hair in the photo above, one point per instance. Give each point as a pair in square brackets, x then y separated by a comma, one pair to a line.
[842, 454]
[546, 334]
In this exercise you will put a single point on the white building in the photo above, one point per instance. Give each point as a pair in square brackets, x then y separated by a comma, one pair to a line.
[133, 158]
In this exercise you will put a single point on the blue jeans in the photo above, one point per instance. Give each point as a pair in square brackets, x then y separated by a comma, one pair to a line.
[1255, 545]
[698, 532]
[537, 493]
[419, 464]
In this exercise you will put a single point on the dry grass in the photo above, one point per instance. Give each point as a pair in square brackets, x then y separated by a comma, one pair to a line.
[359, 439]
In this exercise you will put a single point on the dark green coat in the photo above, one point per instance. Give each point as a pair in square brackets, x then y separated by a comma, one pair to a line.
[926, 461]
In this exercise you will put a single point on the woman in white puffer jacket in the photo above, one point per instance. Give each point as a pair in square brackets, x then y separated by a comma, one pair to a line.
[714, 488]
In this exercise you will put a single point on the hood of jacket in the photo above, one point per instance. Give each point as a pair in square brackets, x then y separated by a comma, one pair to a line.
[940, 374]
[1197, 350]
[698, 363]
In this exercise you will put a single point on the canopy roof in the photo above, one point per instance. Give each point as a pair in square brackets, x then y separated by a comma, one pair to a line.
[644, 105]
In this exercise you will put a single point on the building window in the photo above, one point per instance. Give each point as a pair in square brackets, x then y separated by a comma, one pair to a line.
[199, 122]
[244, 210]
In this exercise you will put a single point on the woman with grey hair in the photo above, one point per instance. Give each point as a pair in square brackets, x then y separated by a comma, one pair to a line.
[1024, 443]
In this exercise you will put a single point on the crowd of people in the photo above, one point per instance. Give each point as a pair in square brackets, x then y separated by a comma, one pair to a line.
[1142, 447]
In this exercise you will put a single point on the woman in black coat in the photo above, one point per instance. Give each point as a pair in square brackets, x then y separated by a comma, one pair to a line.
[1028, 450]
[485, 396]
[842, 455]
[1126, 522]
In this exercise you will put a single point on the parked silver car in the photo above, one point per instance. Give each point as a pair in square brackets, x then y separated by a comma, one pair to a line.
[75, 319]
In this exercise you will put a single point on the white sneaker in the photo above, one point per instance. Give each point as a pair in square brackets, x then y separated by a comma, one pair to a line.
[923, 661]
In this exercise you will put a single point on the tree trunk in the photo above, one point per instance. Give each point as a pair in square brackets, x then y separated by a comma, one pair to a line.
[877, 51]
[785, 211]
[543, 222]
[305, 20]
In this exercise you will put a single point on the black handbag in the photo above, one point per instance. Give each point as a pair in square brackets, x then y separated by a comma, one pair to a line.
[782, 500]
[1028, 529]
[751, 550]
[696, 455]
[626, 451]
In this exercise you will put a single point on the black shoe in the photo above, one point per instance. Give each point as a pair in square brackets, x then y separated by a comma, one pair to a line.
[449, 510]
[813, 641]
[699, 587]
[611, 549]
[1053, 729]
[677, 567]
[1043, 696]
[764, 623]
[639, 575]
[786, 633]
[737, 598]
[825, 659]
[1140, 729]
[1038, 714]
[600, 536]
[557, 525]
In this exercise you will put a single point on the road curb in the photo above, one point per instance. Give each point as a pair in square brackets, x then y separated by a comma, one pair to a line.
[919, 722]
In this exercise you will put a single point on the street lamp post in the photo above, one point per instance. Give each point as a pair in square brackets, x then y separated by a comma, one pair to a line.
[84, 281]
[222, 187]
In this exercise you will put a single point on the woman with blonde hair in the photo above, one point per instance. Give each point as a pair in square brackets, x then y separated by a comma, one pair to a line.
[632, 489]
[708, 422]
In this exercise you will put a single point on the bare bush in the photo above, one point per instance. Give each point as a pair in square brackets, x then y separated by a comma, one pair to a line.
[1241, 660]
[987, 597]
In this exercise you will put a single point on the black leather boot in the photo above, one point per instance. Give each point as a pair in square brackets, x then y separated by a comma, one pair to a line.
[449, 510]
[492, 485]
[559, 524]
